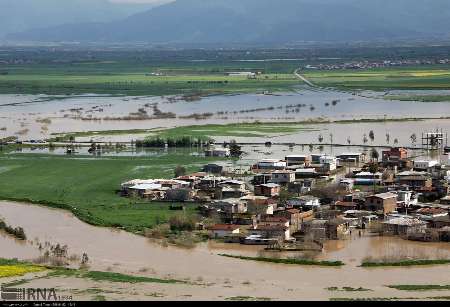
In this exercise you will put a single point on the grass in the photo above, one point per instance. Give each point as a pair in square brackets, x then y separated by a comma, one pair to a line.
[383, 78]
[348, 289]
[109, 276]
[132, 80]
[11, 268]
[403, 263]
[419, 287]
[247, 298]
[288, 261]
[87, 186]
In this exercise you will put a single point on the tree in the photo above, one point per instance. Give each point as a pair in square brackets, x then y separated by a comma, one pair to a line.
[374, 154]
[349, 141]
[235, 149]
[388, 138]
[395, 141]
[372, 136]
[320, 138]
[373, 169]
[365, 140]
[413, 138]
[180, 171]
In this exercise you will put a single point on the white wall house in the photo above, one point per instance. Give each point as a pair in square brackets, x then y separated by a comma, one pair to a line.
[425, 164]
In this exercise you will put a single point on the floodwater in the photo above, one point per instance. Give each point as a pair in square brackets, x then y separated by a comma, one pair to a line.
[27, 116]
[125, 252]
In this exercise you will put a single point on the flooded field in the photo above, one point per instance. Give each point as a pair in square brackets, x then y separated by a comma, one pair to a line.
[123, 252]
[37, 116]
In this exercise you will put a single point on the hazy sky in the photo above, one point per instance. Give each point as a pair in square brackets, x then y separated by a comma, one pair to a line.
[141, 1]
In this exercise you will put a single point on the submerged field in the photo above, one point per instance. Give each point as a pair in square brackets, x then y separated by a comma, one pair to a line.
[383, 79]
[87, 186]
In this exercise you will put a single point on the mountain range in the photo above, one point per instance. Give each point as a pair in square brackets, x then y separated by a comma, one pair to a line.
[260, 21]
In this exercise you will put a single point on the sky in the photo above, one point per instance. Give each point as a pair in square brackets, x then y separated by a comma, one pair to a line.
[139, 1]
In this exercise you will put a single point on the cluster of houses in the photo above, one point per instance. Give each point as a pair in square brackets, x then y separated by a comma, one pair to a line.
[275, 203]
[377, 64]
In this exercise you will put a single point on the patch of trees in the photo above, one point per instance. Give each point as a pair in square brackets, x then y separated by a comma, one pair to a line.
[17, 232]
[159, 142]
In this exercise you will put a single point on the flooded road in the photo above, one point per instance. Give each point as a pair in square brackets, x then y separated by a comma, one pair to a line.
[128, 253]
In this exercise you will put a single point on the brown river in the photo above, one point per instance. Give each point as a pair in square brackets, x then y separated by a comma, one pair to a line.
[128, 253]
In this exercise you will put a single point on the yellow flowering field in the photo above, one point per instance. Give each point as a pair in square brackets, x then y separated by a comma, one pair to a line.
[18, 270]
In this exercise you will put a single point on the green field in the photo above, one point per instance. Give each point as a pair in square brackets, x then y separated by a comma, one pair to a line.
[383, 79]
[86, 185]
[134, 80]
[422, 98]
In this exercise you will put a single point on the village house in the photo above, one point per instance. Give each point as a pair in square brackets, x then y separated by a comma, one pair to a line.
[268, 190]
[403, 226]
[271, 232]
[274, 221]
[259, 205]
[306, 173]
[414, 180]
[230, 206]
[328, 163]
[296, 217]
[272, 164]
[301, 186]
[394, 155]
[213, 169]
[367, 178]
[352, 157]
[385, 202]
[217, 152]
[297, 160]
[283, 177]
[424, 165]
[261, 178]
[219, 231]
[305, 201]
[232, 189]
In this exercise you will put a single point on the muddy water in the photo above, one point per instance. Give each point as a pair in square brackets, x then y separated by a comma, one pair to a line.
[128, 253]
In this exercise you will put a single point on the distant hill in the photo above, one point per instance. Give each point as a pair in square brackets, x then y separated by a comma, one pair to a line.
[263, 21]
[23, 15]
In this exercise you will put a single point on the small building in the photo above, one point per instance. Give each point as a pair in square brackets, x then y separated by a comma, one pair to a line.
[301, 186]
[283, 177]
[395, 155]
[271, 232]
[424, 165]
[213, 169]
[305, 201]
[223, 230]
[352, 157]
[386, 202]
[274, 221]
[262, 178]
[303, 173]
[403, 226]
[268, 189]
[232, 189]
[222, 152]
[259, 205]
[230, 206]
[271, 164]
[414, 180]
[329, 163]
[297, 160]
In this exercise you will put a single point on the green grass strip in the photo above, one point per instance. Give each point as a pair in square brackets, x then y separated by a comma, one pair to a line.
[111, 276]
[406, 263]
[287, 261]
[419, 287]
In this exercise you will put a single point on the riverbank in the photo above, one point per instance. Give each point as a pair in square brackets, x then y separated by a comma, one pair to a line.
[220, 277]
